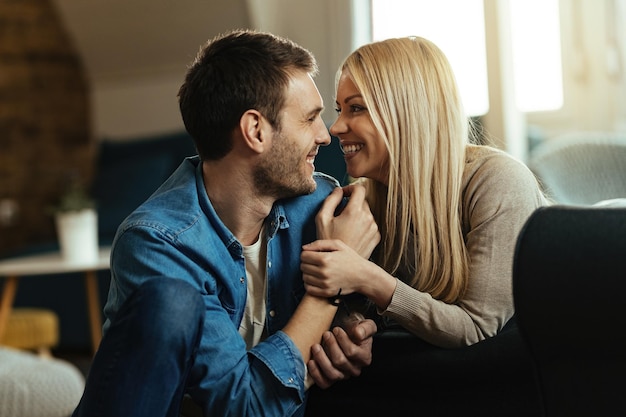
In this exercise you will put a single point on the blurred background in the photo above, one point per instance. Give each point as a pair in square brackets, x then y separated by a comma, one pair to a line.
[78, 77]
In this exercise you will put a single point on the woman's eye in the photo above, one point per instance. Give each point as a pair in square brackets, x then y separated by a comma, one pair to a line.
[355, 108]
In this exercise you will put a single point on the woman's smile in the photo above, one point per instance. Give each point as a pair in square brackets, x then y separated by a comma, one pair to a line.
[351, 148]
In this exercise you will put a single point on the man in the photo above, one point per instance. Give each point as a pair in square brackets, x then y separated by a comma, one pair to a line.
[206, 292]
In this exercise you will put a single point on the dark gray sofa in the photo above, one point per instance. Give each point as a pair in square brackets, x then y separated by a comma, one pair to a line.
[409, 377]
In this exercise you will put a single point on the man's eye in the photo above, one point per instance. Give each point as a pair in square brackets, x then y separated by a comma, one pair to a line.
[313, 118]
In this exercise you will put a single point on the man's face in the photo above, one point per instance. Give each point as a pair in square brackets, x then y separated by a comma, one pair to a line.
[286, 169]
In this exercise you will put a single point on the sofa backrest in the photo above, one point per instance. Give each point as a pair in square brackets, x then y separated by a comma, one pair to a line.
[568, 286]
[128, 172]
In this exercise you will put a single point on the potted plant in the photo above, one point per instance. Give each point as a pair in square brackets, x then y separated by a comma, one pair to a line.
[76, 221]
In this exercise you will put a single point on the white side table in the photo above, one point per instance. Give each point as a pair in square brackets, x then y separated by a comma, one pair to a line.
[49, 264]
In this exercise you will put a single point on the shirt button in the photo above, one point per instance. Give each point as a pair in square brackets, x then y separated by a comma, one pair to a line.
[290, 380]
[242, 280]
[269, 264]
[272, 313]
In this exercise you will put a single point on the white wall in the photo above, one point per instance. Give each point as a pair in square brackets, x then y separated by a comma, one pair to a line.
[137, 107]
[325, 27]
[136, 52]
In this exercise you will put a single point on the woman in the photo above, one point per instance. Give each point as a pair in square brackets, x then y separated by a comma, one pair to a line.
[449, 211]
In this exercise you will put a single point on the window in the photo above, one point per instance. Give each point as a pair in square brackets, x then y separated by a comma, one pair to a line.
[458, 28]
[536, 48]
[460, 35]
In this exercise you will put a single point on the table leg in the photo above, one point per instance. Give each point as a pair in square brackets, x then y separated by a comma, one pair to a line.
[93, 305]
[6, 303]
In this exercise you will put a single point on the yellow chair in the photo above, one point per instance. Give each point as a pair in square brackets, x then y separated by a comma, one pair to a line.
[33, 329]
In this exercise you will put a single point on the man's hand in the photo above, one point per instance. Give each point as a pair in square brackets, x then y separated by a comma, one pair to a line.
[342, 353]
[355, 225]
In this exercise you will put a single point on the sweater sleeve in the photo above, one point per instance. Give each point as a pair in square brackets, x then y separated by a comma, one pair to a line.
[498, 196]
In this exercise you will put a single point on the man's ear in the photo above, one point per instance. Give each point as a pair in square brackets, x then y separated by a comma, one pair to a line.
[255, 130]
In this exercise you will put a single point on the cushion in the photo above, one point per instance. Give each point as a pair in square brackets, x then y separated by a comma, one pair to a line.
[31, 386]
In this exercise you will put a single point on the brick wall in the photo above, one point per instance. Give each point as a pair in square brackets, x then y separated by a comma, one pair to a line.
[45, 127]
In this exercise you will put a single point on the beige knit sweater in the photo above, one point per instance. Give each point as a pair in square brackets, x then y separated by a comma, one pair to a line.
[499, 193]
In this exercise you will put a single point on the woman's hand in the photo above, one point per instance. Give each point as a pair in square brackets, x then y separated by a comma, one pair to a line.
[328, 265]
[354, 224]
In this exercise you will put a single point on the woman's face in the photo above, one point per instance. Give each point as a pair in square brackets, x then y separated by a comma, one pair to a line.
[364, 150]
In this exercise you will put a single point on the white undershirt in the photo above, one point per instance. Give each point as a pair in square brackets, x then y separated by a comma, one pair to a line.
[252, 325]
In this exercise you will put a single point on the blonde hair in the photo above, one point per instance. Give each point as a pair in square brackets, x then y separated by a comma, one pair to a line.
[412, 96]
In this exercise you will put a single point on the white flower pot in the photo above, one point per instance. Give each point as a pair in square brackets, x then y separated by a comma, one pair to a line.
[78, 235]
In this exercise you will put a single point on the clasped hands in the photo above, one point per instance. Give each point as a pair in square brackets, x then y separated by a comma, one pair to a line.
[347, 348]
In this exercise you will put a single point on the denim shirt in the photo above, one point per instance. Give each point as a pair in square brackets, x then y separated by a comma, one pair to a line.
[176, 233]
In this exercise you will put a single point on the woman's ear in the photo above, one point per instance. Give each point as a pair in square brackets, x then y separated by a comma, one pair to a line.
[254, 129]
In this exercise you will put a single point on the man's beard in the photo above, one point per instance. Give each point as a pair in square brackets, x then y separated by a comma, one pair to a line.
[280, 174]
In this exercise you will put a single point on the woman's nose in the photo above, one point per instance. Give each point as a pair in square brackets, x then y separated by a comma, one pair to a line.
[337, 127]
